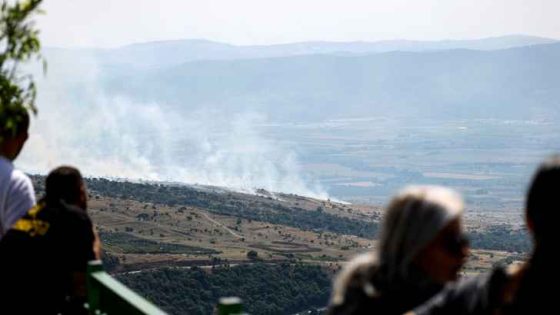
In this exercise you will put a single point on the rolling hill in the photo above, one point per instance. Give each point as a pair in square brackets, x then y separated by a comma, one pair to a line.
[451, 84]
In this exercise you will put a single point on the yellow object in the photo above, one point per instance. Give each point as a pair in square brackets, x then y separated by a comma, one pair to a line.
[30, 224]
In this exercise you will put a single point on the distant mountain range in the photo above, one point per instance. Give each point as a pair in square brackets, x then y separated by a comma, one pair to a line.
[153, 54]
[322, 80]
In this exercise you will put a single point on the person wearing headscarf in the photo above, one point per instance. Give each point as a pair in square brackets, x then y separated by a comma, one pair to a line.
[518, 289]
[421, 248]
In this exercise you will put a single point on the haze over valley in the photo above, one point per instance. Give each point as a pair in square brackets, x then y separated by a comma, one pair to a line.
[350, 121]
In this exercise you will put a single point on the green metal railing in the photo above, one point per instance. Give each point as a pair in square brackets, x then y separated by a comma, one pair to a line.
[107, 296]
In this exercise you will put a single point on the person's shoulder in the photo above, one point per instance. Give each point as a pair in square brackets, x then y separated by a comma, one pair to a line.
[70, 220]
[20, 179]
[354, 276]
[472, 295]
[65, 215]
[513, 275]
[361, 263]
[482, 288]
[20, 175]
[357, 268]
[20, 197]
[76, 213]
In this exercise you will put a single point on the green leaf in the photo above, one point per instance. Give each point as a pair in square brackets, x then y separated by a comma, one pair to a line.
[19, 42]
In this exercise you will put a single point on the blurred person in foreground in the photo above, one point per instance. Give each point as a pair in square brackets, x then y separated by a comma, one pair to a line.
[43, 257]
[528, 288]
[17, 195]
[421, 248]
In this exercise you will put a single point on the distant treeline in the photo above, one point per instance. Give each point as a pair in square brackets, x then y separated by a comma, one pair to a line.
[257, 208]
[264, 289]
[501, 237]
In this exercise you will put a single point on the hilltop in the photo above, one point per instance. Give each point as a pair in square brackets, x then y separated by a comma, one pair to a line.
[148, 225]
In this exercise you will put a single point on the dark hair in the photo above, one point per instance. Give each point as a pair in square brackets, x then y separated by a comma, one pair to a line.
[64, 183]
[543, 199]
[15, 120]
[543, 210]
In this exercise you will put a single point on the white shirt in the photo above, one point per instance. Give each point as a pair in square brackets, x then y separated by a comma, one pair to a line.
[17, 195]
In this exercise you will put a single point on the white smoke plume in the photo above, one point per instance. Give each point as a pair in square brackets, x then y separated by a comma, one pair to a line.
[78, 124]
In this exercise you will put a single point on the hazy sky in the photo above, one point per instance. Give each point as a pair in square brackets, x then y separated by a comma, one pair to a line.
[118, 22]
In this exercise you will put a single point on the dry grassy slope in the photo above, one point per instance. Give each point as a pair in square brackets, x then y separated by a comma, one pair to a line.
[231, 237]
[146, 235]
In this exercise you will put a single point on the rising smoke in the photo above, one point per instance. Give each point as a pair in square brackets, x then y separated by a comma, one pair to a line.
[113, 136]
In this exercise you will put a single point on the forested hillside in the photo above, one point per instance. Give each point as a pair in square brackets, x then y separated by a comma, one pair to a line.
[265, 289]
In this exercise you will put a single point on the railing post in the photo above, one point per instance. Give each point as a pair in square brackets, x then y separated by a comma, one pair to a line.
[93, 290]
[230, 306]
[106, 295]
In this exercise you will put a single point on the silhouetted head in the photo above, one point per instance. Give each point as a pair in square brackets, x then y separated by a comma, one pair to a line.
[422, 231]
[543, 201]
[65, 183]
[14, 134]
